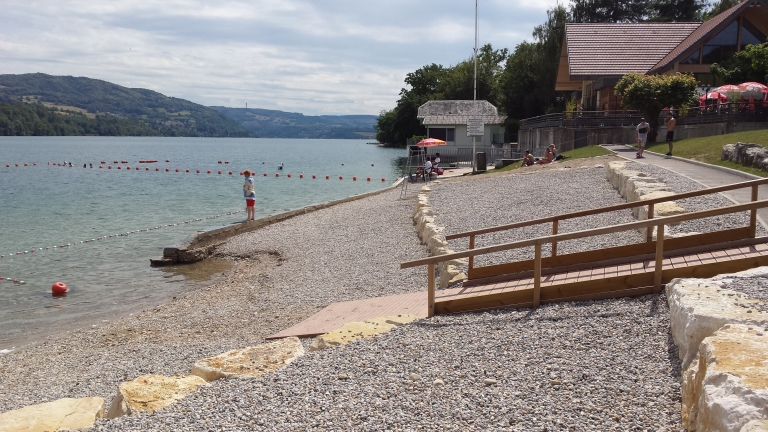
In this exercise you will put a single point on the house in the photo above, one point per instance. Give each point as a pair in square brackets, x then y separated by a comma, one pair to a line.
[447, 120]
[595, 56]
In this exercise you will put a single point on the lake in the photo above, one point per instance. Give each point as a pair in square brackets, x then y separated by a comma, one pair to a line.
[111, 221]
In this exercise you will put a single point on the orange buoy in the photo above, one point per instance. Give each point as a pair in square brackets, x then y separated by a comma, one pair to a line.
[145, 169]
[119, 167]
[137, 168]
[157, 169]
[219, 162]
[354, 178]
[265, 174]
[166, 170]
[301, 176]
[341, 177]
[382, 179]
[59, 288]
[50, 163]
[34, 163]
[187, 170]
[367, 179]
[197, 171]
[314, 176]
[277, 174]
[100, 167]
[167, 160]
[16, 164]
[289, 175]
[327, 177]
[177, 170]
[230, 173]
[109, 167]
[25, 164]
[7, 165]
[219, 172]
[209, 171]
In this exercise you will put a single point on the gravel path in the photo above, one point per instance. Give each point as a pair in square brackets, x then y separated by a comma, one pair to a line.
[479, 202]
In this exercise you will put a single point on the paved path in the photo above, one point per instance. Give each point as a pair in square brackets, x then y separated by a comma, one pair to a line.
[704, 174]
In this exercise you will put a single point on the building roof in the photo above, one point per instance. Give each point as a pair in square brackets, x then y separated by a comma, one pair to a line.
[713, 26]
[452, 112]
[601, 49]
[460, 119]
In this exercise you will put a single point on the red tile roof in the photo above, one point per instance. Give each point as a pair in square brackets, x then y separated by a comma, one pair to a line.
[597, 50]
[713, 26]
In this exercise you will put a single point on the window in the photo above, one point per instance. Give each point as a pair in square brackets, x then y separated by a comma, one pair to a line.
[693, 58]
[445, 134]
[450, 134]
[722, 46]
[750, 35]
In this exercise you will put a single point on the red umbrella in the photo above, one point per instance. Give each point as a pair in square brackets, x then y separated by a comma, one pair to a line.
[430, 142]
[753, 89]
[729, 88]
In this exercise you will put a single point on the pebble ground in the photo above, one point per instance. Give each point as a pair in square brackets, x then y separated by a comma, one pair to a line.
[603, 365]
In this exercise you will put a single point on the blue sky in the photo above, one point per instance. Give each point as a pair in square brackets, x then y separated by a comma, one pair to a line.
[313, 57]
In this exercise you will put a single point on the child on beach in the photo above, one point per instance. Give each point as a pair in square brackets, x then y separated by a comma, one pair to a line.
[250, 196]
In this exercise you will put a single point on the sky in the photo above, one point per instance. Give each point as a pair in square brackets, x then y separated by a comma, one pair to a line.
[314, 57]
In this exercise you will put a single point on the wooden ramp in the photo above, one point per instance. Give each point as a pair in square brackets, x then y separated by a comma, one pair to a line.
[337, 314]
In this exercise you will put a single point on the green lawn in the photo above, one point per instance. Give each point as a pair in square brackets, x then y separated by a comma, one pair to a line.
[708, 149]
[579, 153]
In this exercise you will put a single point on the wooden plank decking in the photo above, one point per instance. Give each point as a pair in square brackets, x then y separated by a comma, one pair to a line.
[629, 279]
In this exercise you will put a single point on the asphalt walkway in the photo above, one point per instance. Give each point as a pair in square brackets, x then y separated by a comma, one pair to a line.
[705, 174]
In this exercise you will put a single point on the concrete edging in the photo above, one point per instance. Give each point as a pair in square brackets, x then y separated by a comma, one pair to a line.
[204, 243]
[704, 164]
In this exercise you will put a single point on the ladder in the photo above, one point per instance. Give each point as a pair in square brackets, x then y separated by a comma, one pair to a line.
[413, 161]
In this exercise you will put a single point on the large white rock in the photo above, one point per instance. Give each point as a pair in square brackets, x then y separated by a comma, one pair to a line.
[353, 331]
[729, 385]
[250, 362]
[62, 414]
[152, 392]
[699, 307]
[755, 426]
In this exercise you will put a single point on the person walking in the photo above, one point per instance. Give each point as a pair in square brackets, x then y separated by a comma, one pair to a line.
[250, 196]
[670, 123]
[641, 134]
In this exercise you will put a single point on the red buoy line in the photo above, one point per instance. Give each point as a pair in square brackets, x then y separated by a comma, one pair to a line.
[34, 251]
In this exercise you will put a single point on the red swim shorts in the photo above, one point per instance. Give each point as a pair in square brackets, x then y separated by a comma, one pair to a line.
[250, 203]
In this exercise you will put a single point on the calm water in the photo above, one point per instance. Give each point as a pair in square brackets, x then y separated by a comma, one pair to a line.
[46, 205]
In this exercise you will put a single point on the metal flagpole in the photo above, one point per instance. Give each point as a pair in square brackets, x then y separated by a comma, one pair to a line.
[474, 138]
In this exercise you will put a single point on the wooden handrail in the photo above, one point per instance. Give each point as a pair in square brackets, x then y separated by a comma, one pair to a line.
[754, 205]
[750, 183]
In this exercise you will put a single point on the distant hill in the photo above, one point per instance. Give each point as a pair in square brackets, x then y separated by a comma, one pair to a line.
[92, 102]
[279, 124]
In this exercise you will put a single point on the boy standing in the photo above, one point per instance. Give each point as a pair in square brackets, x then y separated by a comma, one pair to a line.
[250, 196]
[670, 124]
[642, 136]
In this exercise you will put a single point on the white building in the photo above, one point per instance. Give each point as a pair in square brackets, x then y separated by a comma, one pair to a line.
[447, 120]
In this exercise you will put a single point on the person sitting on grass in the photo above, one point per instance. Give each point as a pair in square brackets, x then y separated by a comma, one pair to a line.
[547, 157]
[528, 159]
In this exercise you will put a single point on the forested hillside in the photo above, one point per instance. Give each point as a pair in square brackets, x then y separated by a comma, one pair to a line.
[281, 124]
[135, 109]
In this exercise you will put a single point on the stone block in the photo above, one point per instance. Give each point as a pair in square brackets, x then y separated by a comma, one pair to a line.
[250, 362]
[699, 307]
[62, 414]
[149, 393]
[755, 426]
[358, 330]
[729, 385]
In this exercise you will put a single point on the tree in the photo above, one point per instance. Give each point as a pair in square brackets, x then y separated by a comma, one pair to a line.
[718, 8]
[750, 64]
[608, 11]
[677, 10]
[649, 94]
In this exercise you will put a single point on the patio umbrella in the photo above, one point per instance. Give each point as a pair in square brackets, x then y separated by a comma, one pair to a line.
[430, 142]
[753, 89]
[728, 88]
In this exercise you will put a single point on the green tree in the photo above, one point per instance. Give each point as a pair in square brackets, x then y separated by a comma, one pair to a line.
[608, 11]
[649, 94]
[717, 8]
[677, 10]
[750, 64]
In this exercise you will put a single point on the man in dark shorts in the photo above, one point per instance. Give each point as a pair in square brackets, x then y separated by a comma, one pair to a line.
[670, 123]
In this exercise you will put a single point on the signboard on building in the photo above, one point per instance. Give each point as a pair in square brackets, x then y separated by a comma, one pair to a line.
[475, 127]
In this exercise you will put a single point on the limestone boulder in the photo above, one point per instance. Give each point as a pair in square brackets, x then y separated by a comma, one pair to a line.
[700, 307]
[149, 393]
[729, 385]
[358, 330]
[752, 155]
[755, 426]
[62, 414]
[250, 362]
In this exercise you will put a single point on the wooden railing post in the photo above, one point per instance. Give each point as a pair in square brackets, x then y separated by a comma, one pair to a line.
[649, 230]
[753, 214]
[430, 290]
[471, 246]
[659, 257]
[554, 231]
[537, 276]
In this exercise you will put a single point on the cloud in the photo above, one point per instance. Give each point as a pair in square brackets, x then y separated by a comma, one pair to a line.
[331, 57]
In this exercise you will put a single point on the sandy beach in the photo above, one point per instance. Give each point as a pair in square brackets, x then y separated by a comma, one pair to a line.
[598, 365]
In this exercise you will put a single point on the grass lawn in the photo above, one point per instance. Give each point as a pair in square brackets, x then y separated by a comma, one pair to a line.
[579, 153]
[708, 149]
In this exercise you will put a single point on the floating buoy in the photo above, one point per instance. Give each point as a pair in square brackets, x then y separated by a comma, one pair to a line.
[50, 163]
[382, 179]
[157, 169]
[118, 167]
[127, 167]
[262, 162]
[226, 162]
[100, 167]
[209, 171]
[145, 169]
[341, 178]
[301, 176]
[16, 164]
[34, 163]
[277, 175]
[103, 162]
[7, 166]
[289, 176]
[219, 162]
[230, 173]
[25, 164]
[59, 288]
[327, 177]
[166, 170]
[313, 176]
[167, 160]
[219, 172]
[354, 178]
[197, 171]
[177, 170]
[367, 179]
[187, 170]
[342, 164]
[265, 174]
